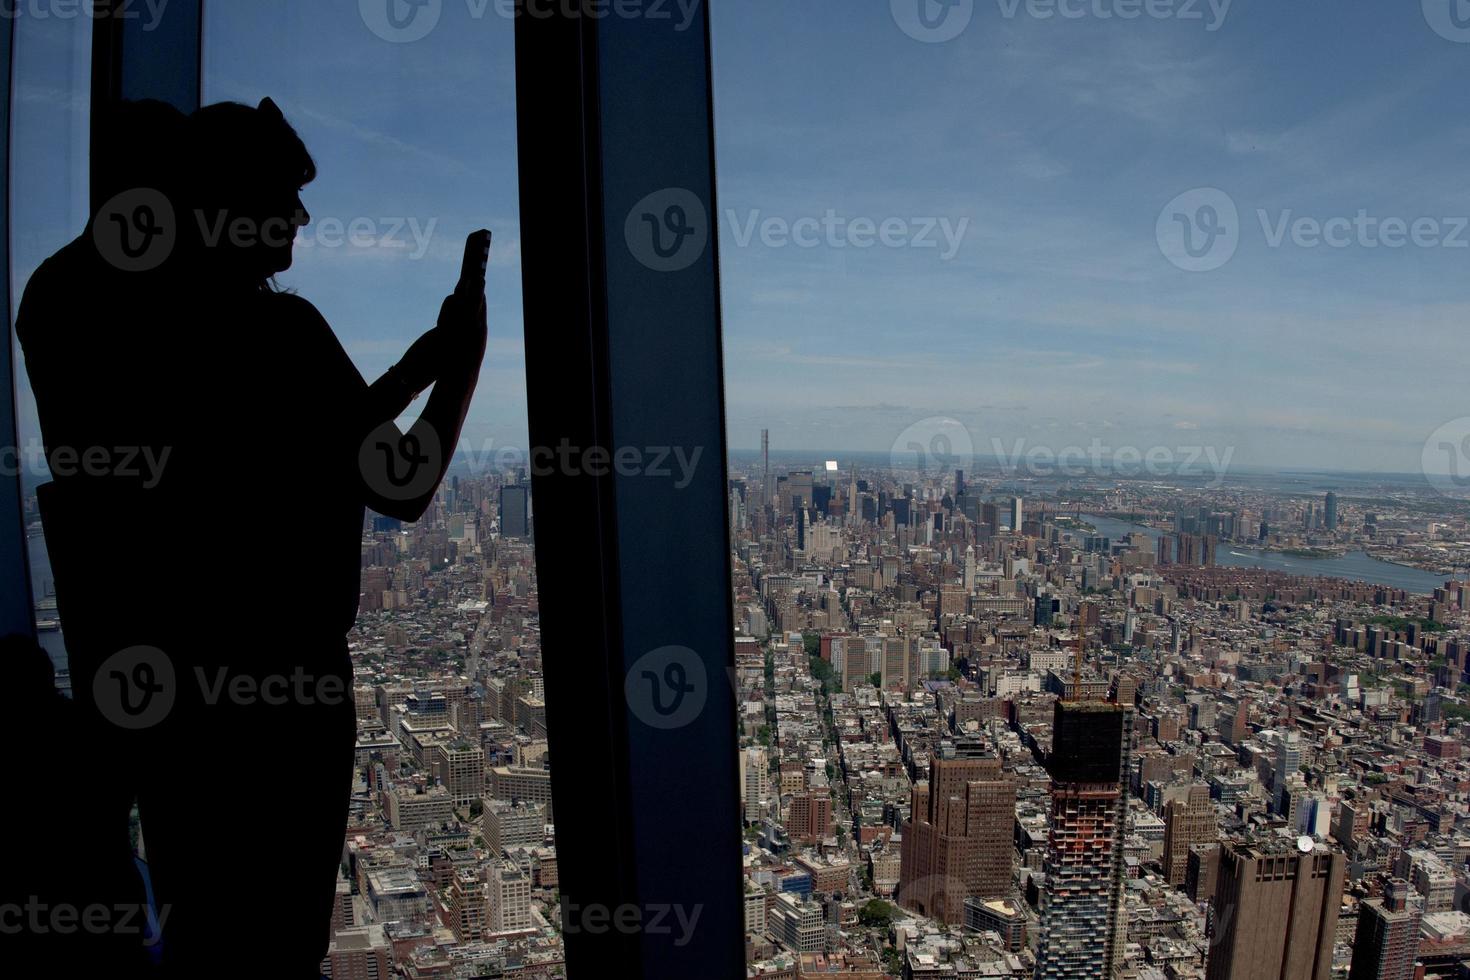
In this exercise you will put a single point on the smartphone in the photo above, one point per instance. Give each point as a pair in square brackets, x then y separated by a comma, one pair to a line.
[476, 258]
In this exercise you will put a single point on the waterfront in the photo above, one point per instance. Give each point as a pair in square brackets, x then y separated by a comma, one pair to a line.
[42, 587]
[1354, 565]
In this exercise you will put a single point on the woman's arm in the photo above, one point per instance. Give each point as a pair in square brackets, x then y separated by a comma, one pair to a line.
[458, 333]
[390, 396]
[402, 470]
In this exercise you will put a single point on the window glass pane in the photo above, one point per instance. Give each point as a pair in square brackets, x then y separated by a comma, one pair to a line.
[1102, 326]
[411, 124]
[50, 110]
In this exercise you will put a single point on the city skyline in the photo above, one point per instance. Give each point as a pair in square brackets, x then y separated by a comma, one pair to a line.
[1049, 149]
[1062, 572]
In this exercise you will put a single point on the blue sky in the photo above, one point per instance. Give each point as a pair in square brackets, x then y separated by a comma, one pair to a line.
[1059, 319]
[1055, 143]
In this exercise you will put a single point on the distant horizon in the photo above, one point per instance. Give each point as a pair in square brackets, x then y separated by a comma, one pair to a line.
[996, 218]
[876, 456]
[1254, 467]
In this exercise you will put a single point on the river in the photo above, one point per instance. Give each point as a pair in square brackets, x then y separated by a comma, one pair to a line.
[1355, 565]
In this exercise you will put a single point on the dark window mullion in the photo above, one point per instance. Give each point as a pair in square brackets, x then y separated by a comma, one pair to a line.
[17, 613]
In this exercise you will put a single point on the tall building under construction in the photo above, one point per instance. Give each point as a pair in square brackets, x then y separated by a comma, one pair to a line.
[1081, 901]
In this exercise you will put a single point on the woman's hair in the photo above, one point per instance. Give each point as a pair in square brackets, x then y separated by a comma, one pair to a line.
[241, 156]
[235, 145]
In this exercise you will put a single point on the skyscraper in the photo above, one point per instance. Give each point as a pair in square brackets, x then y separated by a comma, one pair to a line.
[959, 841]
[811, 816]
[1165, 552]
[1080, 904]
[1288, 762]
[1352, 824]
[766, 459]
[1016, 514]
[1388, 935]
[510, 897]
[1186, 550]
[755, 782]
[821, 497]
[1275, 911]
[515, 506]
[1188, 821]
[799, 486]
[1330, 521]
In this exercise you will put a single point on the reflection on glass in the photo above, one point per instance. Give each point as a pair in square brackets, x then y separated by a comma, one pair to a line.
[50, 113]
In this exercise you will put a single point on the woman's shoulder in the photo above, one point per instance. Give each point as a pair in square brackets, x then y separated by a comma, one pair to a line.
[60, 287]
[302, 325]
[73, 264]
[292, 305]
[298, 318]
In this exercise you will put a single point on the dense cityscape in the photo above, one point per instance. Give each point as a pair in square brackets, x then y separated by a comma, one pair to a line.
[991, 727]
[1066, 387]
[997, 740]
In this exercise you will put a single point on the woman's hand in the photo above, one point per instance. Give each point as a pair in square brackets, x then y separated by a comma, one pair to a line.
[420, 366]
[465, 332]
[448, 357]
[456, 343]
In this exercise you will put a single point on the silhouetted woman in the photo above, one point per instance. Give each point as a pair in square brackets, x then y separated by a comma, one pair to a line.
[236, 567]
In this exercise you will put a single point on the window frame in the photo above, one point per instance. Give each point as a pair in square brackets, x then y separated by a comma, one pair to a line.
[608, 111]
[17, 605]
[618, 354]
